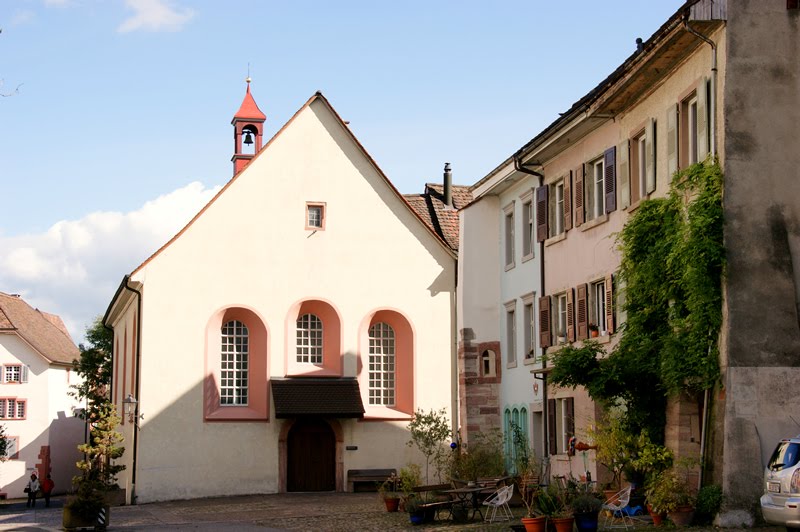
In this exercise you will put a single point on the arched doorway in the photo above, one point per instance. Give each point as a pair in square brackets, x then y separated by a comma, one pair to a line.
[311, 463]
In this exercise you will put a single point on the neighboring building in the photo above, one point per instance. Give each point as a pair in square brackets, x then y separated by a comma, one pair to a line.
[43, 434]
[499, 286]
[718, 77]
[287, 334]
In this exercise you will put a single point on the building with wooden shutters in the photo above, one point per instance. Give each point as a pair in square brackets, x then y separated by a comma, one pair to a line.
[719, 77]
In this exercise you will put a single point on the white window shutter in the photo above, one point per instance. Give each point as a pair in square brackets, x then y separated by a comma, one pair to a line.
[672, 140]
[702, 121]
[3, 376]
[624, 174]
[650, 156]
[23, 374]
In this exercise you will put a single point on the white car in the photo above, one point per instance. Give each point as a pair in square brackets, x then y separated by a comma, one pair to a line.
[780, 503]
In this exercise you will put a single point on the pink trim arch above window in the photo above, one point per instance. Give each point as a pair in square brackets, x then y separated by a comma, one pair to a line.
[331, 340]
[403, 365]
[257, 408]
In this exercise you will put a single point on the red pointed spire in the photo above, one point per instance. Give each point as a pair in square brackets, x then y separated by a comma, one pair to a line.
[249, 110]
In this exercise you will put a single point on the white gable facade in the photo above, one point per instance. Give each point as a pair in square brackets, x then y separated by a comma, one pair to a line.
[310, 269]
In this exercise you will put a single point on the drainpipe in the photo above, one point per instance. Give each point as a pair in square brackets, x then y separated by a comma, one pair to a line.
[713, 98]
[713, 150]
[546, 443]
[136, 382]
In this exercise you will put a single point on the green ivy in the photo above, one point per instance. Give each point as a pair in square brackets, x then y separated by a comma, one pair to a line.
[672, 265]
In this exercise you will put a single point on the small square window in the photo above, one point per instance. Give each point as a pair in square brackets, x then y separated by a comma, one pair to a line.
[315, 216]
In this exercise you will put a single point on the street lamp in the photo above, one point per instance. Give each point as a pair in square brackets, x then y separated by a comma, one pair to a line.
[131, 406]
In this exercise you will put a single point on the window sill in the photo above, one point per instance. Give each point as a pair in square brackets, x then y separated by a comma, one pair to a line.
[512, 364]
[602, 339]
[527, 257]
[555, 239]
[509, 266]
[530, 361]
[379, 413]
[591, 224]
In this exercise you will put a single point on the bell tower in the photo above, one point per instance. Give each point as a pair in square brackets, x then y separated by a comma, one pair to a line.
[248, 122]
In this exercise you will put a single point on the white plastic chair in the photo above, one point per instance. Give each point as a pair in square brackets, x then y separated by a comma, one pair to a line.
[613, 507]
[499, 499]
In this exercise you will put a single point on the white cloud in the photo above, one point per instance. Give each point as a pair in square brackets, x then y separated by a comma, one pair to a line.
[155, 15]
[22, 17]
[74, 268]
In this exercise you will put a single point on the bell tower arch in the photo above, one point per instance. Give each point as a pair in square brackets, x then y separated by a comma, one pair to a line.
[248, 127]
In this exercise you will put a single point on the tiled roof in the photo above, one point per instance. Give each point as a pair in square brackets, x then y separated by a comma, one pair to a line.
[45, 332]
[431, 208]
[309, 396]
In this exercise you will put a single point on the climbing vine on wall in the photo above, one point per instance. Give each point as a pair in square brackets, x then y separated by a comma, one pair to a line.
[672, 266]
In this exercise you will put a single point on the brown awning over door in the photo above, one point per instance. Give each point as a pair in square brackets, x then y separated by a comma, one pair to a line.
[324, 397]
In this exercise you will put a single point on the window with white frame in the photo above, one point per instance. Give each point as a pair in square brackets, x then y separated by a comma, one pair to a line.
[309, 339]
[382, 365]
[564, 422]
[508, 217]
[597, 306]
[15, 373]
[560, 317]
[692, 129]
[556, 195]
[488, 368]
[234, 364]
[13, 408]
[528, 236]
[315, 215]
[511, 333]
[596, 204]
[530, 330]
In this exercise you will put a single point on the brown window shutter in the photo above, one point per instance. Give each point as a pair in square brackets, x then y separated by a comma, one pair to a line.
[569, 405]
[568, 202]
[551, 426]
[610, 164]
[570, 316]
[578, 203]
[609, 303]
[541, 214]
[583, 312]
[544, 322]
[792, 4]
[672, 140]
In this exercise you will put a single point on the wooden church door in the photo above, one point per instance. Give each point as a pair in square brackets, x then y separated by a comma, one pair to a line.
[311, 461]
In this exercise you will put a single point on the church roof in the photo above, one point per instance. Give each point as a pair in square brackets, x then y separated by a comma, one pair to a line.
[44, 332]
[249, 109]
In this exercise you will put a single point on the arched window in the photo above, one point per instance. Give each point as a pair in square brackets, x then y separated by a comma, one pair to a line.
[234, 363]
[309, 339]
[509, 439]
[381, 365]
[488, 363]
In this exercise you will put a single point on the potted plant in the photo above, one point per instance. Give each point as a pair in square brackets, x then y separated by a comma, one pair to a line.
[594, 331]
[668, 493]
[89, 506]
[615, 449]
[586, 510]
[388, 491]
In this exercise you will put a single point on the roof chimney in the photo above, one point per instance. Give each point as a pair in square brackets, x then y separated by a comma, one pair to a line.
[447, 191]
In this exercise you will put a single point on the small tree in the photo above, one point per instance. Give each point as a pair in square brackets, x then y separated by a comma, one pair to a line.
[99, 473]
[429, 432]
[94, 367]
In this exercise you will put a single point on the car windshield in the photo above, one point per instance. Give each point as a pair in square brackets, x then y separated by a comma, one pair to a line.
[786, 455]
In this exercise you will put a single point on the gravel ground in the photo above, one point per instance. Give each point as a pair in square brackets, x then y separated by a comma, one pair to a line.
[329, 512]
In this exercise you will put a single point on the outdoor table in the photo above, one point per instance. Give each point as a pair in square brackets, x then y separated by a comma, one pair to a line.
[468, 498]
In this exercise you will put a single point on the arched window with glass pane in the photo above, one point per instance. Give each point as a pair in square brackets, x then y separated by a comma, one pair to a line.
[234, 363]
[381, 365]
[309, 339]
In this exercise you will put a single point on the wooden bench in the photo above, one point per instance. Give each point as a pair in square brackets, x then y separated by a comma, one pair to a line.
[370, 478]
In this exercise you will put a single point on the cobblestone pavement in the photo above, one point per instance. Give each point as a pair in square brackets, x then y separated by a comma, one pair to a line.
[328, 512]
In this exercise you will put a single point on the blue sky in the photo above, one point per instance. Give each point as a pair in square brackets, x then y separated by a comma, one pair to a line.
[115, 121]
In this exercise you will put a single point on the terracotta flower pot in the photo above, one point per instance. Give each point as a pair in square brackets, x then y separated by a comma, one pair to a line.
[391, 503]
[563, 524]
[658, 518]
[535, 524]
[682, 516]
